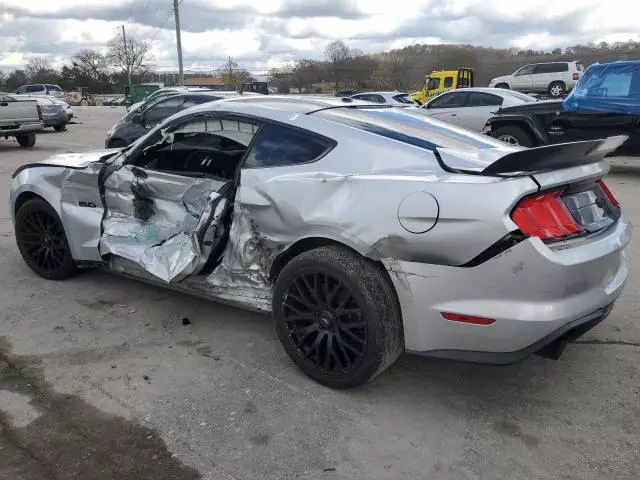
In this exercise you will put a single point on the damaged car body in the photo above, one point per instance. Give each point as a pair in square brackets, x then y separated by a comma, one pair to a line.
[366, 231]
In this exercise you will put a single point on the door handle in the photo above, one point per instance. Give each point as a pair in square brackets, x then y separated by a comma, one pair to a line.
[454, 114]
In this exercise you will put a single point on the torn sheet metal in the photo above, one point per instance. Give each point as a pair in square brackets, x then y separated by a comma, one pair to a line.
[157, 220]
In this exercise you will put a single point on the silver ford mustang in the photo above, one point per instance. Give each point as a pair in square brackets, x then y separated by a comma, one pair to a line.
[365, 230]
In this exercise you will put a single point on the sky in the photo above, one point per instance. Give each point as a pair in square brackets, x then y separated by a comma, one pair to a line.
[262, 34]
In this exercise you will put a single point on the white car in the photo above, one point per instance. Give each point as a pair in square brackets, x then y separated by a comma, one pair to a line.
[397, 99]
[471, 107]
[554, 78]
[41, 89]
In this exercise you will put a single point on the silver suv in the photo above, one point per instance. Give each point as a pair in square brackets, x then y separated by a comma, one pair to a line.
[41, 89]
[554, 78]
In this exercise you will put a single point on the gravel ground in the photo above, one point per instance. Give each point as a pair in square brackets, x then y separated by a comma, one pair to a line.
[106, 378]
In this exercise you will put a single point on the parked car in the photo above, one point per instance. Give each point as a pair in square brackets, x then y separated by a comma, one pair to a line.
[41, 89]
[471, 107]
[365, 231]
[165, 92]
[56, 100]
[397, 99]
[137, 123]
[20, 120]
[607, 105]
[54, 114]
[554, 78]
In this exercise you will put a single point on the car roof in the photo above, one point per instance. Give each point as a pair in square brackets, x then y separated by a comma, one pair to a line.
[390, 92]
[300, 104]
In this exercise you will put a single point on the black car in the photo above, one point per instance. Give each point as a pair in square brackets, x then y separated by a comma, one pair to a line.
[547, 122]
[137, 123]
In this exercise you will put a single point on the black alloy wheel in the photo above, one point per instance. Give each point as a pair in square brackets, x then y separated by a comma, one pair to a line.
[325, 322]
[337, 316]
[42, 240]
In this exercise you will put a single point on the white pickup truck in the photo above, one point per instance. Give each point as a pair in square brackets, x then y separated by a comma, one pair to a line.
[20, 120]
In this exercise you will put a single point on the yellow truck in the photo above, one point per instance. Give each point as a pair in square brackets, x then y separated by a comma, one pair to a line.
[442, 81]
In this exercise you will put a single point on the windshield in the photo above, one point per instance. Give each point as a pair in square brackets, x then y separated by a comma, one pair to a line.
[404, 98]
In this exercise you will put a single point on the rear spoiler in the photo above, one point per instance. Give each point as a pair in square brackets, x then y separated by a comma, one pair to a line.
[554, 157]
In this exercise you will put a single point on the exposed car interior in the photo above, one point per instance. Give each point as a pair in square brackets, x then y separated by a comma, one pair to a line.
[201, 148]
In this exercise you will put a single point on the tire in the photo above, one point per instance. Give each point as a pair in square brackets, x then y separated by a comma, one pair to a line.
[84, 102]
[557, 89]
[513, 135]
[26, 140]
[503, 85]
[117, 143]
[42, 240]
[337, 317]
[61, 127]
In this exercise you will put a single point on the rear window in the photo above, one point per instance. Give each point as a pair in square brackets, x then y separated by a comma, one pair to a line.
[552, 67]
[408, 127]
[403, 98]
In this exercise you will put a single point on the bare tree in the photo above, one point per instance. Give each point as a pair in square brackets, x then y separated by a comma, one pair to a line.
[132, 57]
[38, 68]
[91, 63]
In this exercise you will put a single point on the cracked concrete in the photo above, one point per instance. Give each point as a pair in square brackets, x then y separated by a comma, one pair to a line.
[115, 360]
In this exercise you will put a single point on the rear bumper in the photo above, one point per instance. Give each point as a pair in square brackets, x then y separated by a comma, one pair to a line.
[535, 294]
[550, 346]
[23, 128]
[55, 119]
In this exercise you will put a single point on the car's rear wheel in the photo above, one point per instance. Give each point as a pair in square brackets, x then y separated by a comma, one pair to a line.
[337, 316]
[503, 85]
[557, 89]
[26, 140]
[513, 136]
[42, 240]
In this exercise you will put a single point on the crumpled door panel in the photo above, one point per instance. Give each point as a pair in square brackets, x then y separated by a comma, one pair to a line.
[160, 220]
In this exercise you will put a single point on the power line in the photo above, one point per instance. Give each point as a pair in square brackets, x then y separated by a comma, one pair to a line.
[164, 22]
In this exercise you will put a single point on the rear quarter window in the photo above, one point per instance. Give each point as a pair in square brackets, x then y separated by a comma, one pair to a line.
[277, 146]
[448, 82]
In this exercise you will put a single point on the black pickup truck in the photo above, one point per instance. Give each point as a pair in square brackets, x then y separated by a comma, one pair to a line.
[546, 122]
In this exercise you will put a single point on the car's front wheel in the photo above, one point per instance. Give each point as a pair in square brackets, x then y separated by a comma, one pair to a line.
[42, 240]
[513, 136]
[337, 316]
[61, 127]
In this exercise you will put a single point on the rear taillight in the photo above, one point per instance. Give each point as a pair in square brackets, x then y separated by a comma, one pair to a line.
[545, 216]
[39, 111]
[576, 76]
[608, 193]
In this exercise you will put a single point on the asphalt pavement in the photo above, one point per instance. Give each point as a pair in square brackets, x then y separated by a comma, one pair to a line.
[105, 378]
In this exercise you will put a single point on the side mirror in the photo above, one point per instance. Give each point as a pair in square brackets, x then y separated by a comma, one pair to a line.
[137, 118]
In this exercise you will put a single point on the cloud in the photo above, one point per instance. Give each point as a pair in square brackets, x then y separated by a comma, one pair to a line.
[260, 34]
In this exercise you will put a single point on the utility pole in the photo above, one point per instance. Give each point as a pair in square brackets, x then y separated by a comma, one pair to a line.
[176, 12]
[126, 55]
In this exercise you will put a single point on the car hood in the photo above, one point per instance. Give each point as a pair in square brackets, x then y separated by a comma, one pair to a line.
[72, 160]
[504, 78]
[80, 160]
[540, 106]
